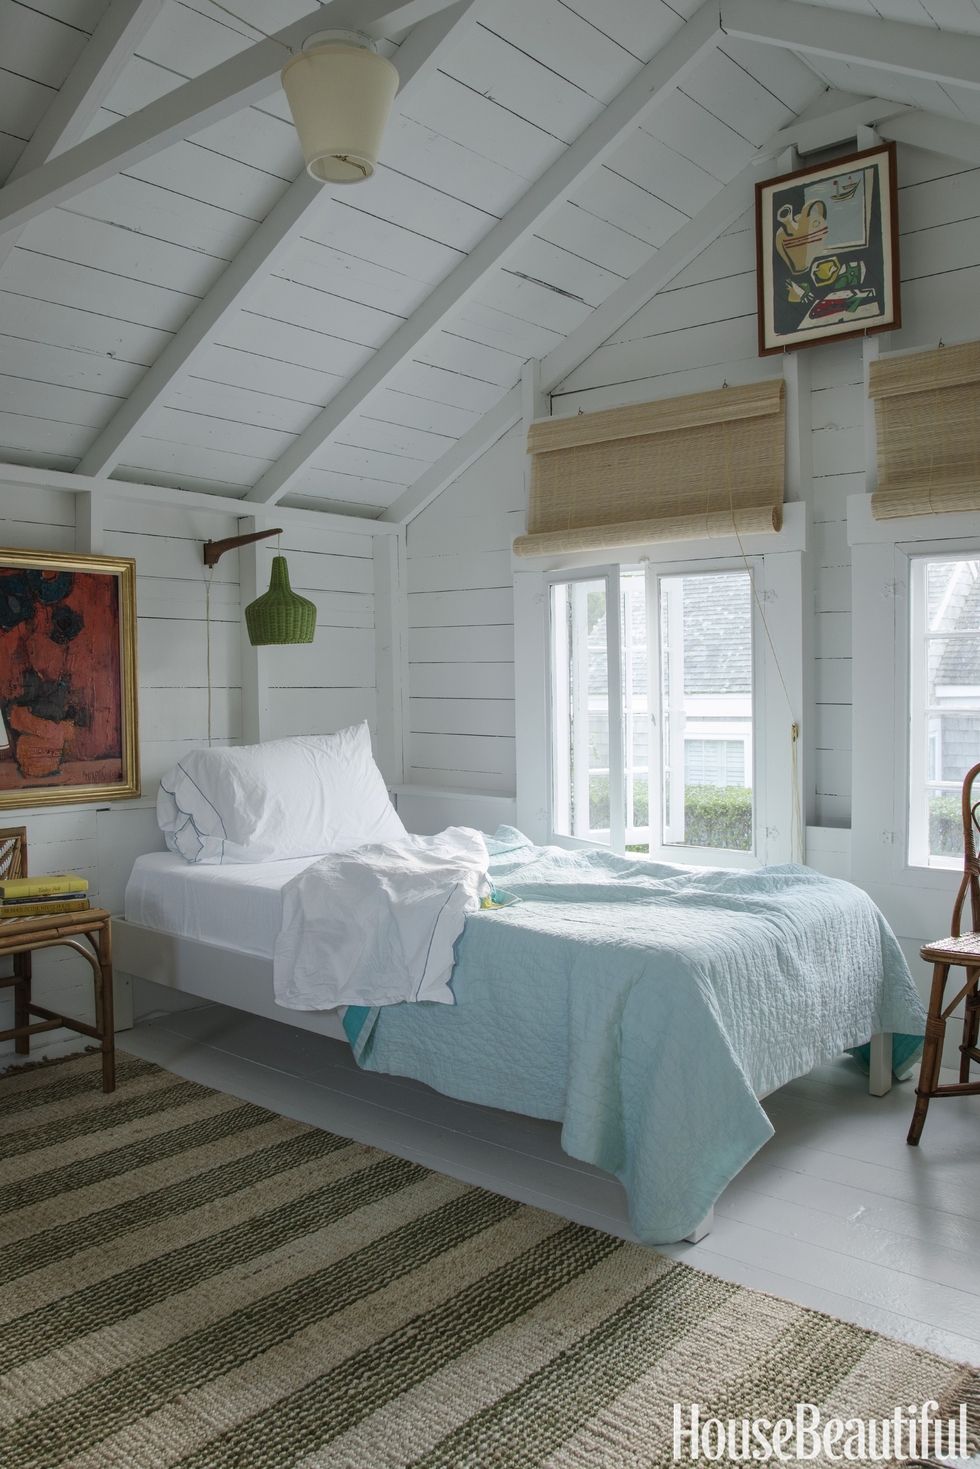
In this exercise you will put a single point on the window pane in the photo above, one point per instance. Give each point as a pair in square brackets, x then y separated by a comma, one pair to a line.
[636, 707]
[706, 709]
[580, 702]
[944, 724]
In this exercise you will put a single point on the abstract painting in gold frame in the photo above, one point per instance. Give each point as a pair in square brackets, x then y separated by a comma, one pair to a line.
[68, 715]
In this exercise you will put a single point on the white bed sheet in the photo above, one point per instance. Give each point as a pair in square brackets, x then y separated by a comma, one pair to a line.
[238, 906]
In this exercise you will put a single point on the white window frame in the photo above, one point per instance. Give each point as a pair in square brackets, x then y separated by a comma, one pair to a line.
[557, 776]
[921, 715]
[915, 899]
[777, 563]
[676, 849]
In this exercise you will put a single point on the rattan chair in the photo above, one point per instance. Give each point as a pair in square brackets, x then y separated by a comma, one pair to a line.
[87, 931]
[960, 950]
[13, 863]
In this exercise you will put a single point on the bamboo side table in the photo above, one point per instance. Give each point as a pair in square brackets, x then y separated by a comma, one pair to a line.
[89, 933]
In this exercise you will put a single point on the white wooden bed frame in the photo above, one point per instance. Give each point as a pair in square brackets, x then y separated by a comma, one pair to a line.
[244, 981]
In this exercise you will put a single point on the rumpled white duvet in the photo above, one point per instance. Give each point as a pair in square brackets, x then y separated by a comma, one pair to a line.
[377, 925]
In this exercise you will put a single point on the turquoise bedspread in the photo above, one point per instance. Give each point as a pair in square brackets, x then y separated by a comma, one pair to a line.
[644, 1006]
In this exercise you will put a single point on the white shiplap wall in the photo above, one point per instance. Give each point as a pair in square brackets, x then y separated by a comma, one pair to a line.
[312, 689]
[697, 334]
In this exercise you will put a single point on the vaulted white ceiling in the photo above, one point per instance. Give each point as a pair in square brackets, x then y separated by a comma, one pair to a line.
[200, 320]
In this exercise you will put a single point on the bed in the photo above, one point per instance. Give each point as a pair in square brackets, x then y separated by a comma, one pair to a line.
[655, 1073]
[209, 932]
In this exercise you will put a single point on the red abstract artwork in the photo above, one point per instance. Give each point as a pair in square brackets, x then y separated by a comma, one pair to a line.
[62, 689]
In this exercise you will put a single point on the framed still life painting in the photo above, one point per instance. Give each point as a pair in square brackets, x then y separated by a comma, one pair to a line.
[827, 244]
[68, 724]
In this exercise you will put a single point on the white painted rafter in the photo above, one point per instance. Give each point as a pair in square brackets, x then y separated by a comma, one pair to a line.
[420, 54]
[722, 210]
[121, 29]
[657, 80]
[138, 492]
[946, 135]
[191, 107]
[868, 40]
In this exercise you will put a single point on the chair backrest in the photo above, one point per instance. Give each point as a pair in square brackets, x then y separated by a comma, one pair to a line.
[13, 852]
[971, 867]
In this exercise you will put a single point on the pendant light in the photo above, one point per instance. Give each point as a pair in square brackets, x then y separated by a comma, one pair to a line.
[340, 93]
[280, 615]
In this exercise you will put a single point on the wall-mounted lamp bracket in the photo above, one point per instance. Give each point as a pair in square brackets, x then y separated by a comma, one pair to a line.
[214, 550]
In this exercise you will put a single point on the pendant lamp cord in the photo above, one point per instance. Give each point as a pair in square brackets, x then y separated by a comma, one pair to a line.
[207, 624]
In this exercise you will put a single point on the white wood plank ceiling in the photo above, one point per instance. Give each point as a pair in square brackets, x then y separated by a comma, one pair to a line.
[470, 203]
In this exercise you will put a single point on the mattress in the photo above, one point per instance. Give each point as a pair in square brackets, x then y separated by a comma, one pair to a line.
[235, 905]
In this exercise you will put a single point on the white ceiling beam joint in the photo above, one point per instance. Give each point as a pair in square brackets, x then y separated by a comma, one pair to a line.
[195, 105]
[887, 45]
[122, 27]
[944, 135]
[657, 80]
[105, 490]
[417, 58]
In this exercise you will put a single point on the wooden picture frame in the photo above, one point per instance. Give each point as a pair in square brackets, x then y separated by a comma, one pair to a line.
[827, 251]
[68, 706]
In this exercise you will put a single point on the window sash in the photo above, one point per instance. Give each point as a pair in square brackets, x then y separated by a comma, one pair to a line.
[670, 847]
[560, 751]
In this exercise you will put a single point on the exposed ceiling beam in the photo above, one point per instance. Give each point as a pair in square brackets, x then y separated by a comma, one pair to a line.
[887, 45]
[132, 490]
[813, 133]
[657, 80]
[191, 107]
[457, 459]
[722, 210]
[421, 53]
[111, 44]
[946, 135]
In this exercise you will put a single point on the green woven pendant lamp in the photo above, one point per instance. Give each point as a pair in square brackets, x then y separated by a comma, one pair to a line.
[280, 615]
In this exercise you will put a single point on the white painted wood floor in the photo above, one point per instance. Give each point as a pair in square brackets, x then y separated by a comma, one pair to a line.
[836, 1212]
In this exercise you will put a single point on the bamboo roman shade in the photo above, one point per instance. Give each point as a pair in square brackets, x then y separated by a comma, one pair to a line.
[927, 415]
[678, 469]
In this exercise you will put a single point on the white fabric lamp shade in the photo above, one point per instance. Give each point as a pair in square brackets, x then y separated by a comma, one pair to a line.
[340, 96]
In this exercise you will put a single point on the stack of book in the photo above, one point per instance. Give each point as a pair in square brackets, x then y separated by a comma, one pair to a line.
[30, 897]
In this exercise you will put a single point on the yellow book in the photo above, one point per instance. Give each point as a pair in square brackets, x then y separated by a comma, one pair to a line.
[42, 906]
[42, 887]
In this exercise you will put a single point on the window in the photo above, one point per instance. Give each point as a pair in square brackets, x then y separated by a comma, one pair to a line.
[652, 709]
[944, 702]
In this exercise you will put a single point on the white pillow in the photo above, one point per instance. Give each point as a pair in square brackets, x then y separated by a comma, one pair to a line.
[300, 797]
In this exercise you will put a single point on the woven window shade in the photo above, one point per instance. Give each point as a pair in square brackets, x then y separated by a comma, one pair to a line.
[679, 469]
[927, 416]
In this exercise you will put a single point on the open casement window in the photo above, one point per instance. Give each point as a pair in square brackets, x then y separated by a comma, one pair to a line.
[586, 709]
[944, 702]
[653, 684]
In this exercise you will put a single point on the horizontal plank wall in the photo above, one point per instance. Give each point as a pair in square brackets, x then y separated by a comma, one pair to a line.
[695, 335]
[460, 620]
[311, 689]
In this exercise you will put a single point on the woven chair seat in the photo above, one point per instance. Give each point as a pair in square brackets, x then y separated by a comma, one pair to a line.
[962, 950]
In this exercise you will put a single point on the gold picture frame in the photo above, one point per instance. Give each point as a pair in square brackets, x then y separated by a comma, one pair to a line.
[68, 692]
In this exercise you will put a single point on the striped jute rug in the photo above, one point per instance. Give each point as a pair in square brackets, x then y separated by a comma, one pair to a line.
[187, 1279]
